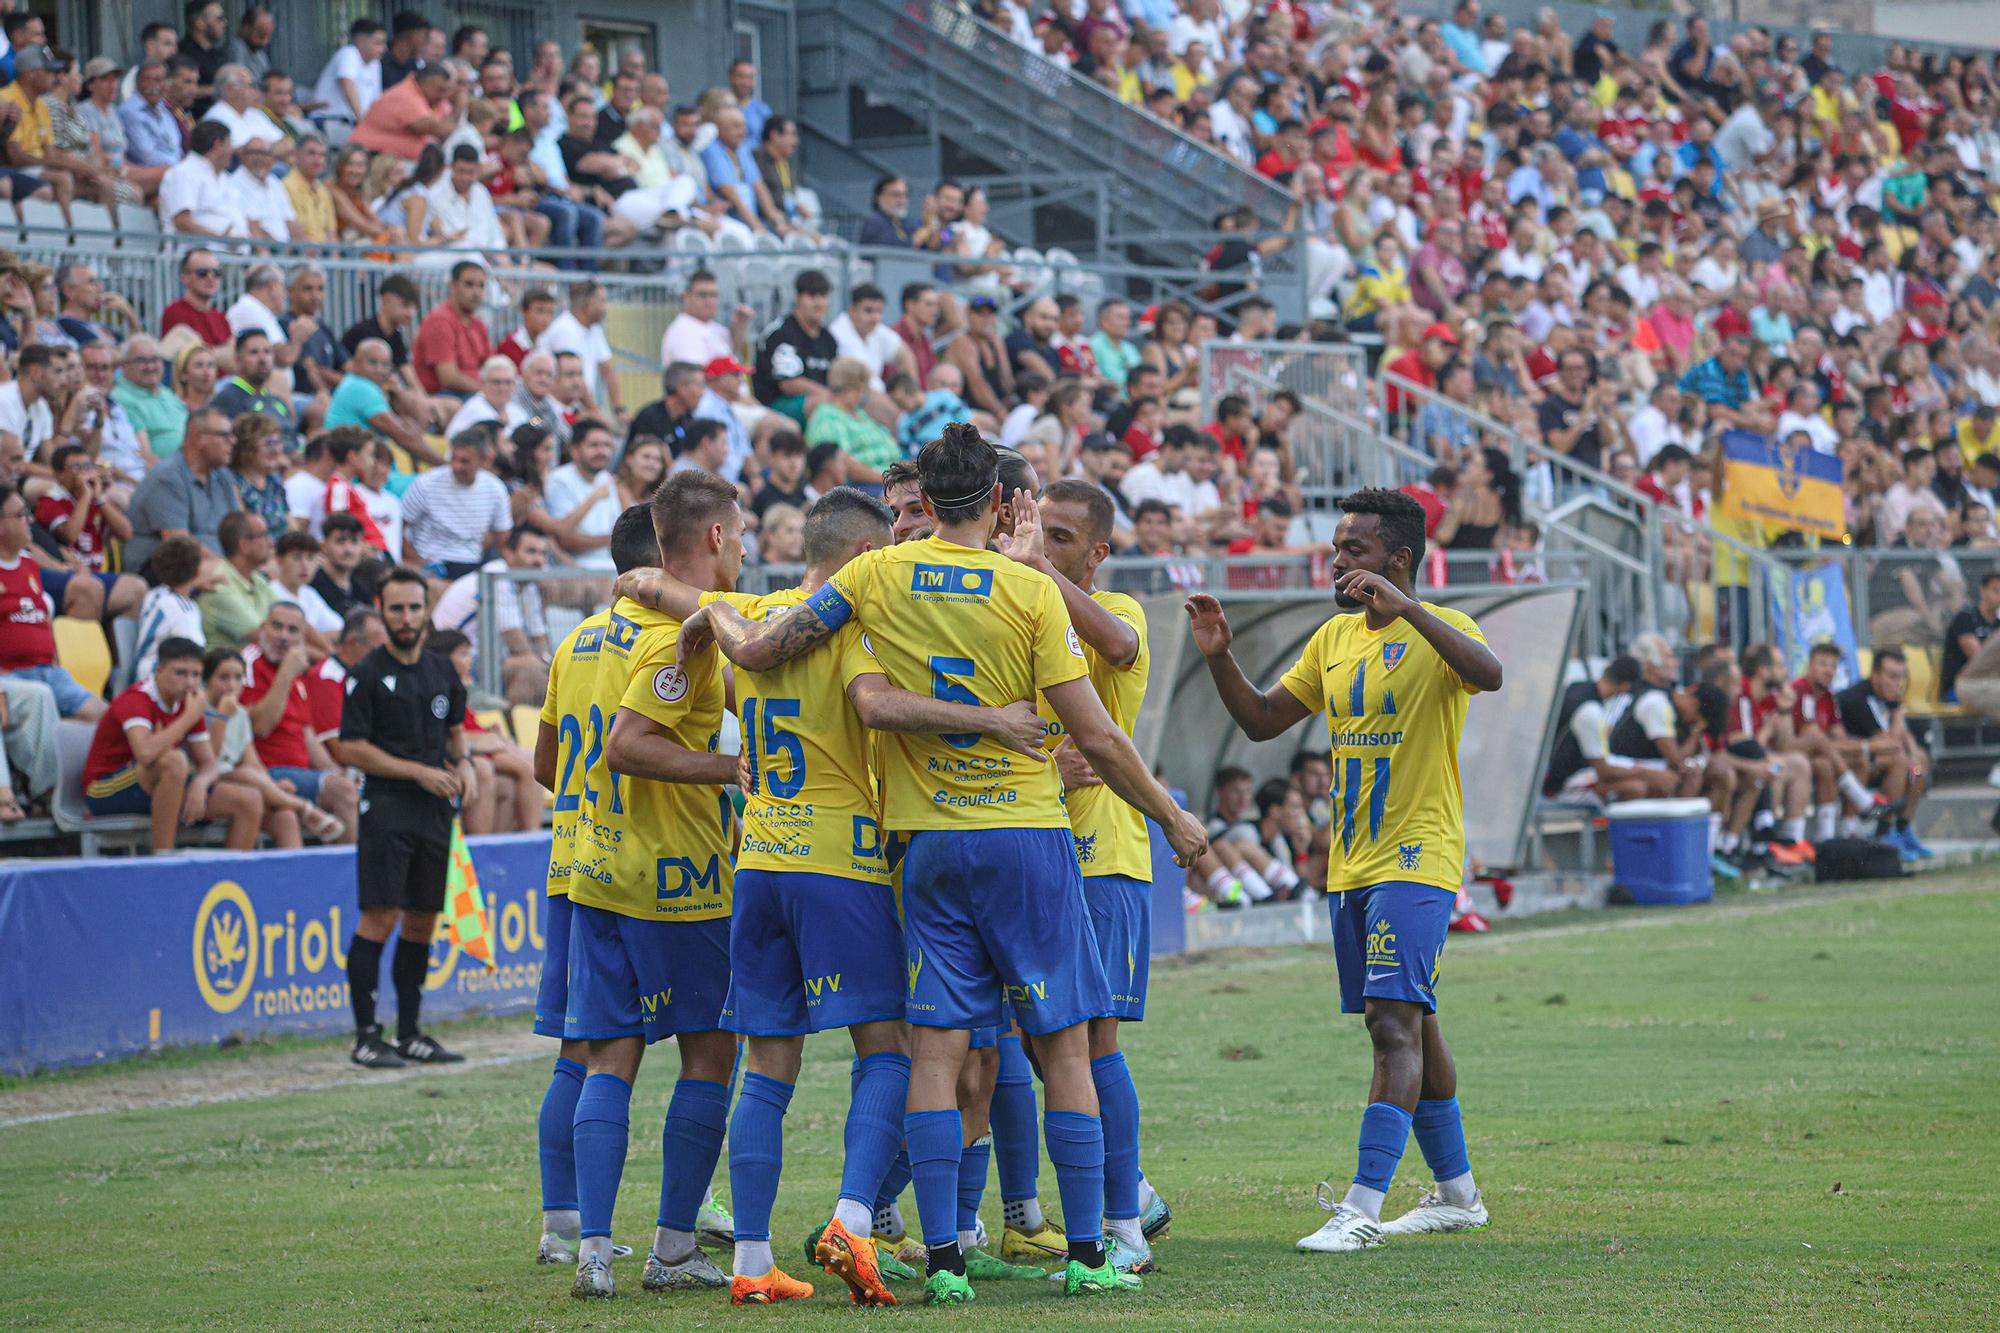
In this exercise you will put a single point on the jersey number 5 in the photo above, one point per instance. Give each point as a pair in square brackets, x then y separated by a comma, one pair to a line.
[944, 687]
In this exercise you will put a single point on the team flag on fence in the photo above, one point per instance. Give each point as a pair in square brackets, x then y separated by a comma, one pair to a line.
[1788, 483]
[464, 904]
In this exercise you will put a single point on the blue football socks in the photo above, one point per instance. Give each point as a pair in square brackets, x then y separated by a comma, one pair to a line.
[690, 1142]
[602, 1127]
[1016, 1147]
[874, 1132]
[933, 1139]
[1076, 1149]
[555, 1134]
[757, 1153]
[973, 1161]
[1118, 1107]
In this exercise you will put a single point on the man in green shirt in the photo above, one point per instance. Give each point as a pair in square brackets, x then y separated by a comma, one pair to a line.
[158, 416]
[234, 608]
[1111, 344]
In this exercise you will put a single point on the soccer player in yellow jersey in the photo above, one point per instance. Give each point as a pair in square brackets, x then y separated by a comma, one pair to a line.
[572, 724]
[992, 896]
[1067, 536]
[650, 897]
[815, 941]
[1393, 682]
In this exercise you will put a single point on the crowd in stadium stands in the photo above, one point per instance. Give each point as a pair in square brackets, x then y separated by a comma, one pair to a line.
[1614, 253]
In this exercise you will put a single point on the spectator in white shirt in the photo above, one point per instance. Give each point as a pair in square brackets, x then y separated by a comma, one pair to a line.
[493, 402]
[518, 616]
[351, 80]
[580, 330]
[1657, 424]
[695, 336]
[584, 484]
[263, 198]
[449, 512]
[461, 207]
[235, 105]
[1802, 414]
[261, 308]
[860, 333]
[196, 199]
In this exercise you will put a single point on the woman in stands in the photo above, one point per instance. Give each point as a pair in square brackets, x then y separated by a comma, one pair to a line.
[506, 799]
[406, 207]
[257, 461]
[194, 376]
[351, 195]
[230, 732]
[1166, 348]
[640, 472]
[1488, 496]
[972, 238]
[525, 467]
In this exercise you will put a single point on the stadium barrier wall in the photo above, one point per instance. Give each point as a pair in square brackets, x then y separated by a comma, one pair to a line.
[105, 957]
[110, 957]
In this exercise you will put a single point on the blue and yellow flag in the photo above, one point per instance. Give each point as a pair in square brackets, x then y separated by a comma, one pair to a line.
[1791, 484]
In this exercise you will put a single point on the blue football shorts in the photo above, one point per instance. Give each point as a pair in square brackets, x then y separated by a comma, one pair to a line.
[993, 914]
[552, 997]
[809, 952]
[1121, 916]
[1388, 942]
[651, 979]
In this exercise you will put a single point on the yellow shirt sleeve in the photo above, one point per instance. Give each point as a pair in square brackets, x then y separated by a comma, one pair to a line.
[1307, 678]
[857, 656]
[659, 689]
[1058, 653]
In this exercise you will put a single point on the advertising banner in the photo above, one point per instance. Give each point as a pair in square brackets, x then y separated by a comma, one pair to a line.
[108, 957]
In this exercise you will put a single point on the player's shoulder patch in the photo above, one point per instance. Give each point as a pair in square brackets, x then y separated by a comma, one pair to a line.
[1075, 644]
[670, 684]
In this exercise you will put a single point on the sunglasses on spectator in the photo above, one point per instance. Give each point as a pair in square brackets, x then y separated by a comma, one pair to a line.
[204, 273]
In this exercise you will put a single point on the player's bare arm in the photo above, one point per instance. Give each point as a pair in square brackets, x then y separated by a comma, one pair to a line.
[641, 748]
[546, 746]
[1260, 715]
[661, 591]
[1472, 660]
[1111, 638]
[1111, 754]
[758, 647]
[883, 707]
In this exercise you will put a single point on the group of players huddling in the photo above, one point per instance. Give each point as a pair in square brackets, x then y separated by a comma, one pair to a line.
[943, 849]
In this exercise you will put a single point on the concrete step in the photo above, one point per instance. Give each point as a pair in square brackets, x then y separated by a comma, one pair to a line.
[1958, 812]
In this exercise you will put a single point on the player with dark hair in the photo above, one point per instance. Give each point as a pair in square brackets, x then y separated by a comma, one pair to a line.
[814, 901]
[1581, 764]
[1067, 535]
[992, 897]
[600, 647]
[401, 726]
[1393, 682]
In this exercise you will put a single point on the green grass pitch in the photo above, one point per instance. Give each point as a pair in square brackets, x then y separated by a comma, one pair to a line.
[1773, 1112]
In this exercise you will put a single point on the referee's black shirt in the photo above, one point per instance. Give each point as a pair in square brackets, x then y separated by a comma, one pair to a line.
[407, 710]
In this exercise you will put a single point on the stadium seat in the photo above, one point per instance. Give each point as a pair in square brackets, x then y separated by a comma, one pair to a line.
[82, 651]
[527, 723]
[66, 804]
[494, 720]
[1921, 699]
[96, 231]
[42, 215]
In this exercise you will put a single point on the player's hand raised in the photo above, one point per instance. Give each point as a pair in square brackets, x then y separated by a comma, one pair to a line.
[1188, 837]
[647, 587]
[1375, 592]
[1211, 628]
[1076, 770]
[1025, 544]
[1020, 728]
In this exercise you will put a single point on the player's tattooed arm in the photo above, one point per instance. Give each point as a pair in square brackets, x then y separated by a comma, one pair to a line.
[661, 591]
[883, 707]
[758, 647]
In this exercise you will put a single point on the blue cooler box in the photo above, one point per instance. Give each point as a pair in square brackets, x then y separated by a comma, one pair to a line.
[1659, 850]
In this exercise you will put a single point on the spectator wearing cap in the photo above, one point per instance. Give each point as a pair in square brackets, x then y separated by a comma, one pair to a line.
[98, 110]
[32, 140]
[722, 388]
[409, 115]
[196, 198]
[1420, 364]
[981, 357]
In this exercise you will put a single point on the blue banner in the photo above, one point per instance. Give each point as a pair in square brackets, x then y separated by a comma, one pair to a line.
[1821, 614]
[109, 957]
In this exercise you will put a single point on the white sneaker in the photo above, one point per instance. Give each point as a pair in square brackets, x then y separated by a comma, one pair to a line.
[556, 1248]
[1433, 1214]
[714, 1227]
[694, 1273]
[593, 1281]
[1348, 1229]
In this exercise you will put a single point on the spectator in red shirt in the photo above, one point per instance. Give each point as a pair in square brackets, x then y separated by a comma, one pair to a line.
[917, 327]
[281, 715]
[76, 510]
[538, 311]
[201, 278]
[452, 342]
[27, 638]
[1420, 364]
[1433, 495]
[1231, 427]
[151, 756]
[326, 684]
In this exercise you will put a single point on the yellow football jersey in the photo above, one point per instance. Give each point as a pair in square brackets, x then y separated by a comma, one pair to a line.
[972, 627]
[573, 684]
[812, 801]
[1111, 837]
[1394, 712]
[654, 850]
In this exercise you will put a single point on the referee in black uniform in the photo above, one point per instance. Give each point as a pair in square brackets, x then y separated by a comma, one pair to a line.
[401, 725]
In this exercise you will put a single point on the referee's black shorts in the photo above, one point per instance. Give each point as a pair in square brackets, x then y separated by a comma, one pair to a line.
[402, 851]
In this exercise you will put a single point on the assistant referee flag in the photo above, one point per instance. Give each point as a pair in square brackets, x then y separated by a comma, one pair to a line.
[464, 904]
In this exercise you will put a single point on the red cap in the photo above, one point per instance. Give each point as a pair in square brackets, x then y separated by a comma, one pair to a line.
[724, 365]
[1442, 331]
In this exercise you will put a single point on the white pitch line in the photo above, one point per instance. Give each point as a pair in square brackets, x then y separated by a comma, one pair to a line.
[265, 1094]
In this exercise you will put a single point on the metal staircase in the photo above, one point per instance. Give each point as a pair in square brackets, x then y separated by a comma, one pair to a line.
[922, 88]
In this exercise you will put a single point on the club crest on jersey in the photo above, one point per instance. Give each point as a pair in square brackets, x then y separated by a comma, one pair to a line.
[439, 707]
[670, 684]
[1086, 848]
[1392, 655]
[1408, 854]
